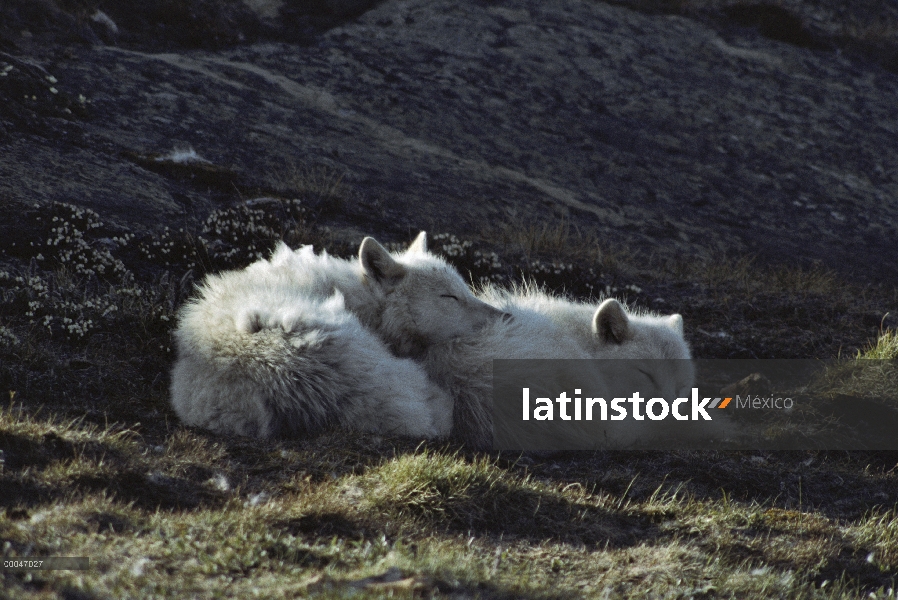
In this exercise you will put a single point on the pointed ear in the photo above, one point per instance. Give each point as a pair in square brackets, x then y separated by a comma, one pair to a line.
[676, 323]
[420, 243]
[611, 322]
[377, 263]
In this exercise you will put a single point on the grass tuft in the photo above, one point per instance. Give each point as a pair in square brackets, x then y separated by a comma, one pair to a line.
[884, 348]
[105, 470]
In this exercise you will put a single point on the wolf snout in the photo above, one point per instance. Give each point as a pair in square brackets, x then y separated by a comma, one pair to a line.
[489, 314]
[492, 312]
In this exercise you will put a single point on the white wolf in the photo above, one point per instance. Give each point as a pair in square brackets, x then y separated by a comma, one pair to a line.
[606, 331]
[547, 327]
[302, 341]
[658, 364]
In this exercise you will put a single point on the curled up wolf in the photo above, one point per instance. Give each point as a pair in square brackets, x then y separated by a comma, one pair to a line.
[390, 343]
[301, 342]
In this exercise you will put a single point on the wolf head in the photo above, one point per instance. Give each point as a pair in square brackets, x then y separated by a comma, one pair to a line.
[616, 333]
[653, 344]
[609, 331]
[606, 331]
[424, 301]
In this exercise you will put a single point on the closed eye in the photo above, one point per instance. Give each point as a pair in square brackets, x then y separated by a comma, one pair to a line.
[649, 375]
[449, 296]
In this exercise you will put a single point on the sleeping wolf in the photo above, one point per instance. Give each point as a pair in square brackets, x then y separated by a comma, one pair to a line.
[299, 342]
[547, 327]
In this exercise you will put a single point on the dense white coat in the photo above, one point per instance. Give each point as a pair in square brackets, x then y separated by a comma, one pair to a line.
[548, 327]
[294, 344]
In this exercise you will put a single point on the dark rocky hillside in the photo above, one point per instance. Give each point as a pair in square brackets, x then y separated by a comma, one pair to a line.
[692, 133]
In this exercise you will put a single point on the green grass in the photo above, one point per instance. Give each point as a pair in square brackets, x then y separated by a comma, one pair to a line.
[884, 348]
[94, 462]
[429, 522]
[872, 373]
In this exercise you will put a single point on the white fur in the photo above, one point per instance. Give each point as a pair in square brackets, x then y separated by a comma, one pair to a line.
[608, 330]
[410, 300]
[464, 366]
[300, 342]
[548, 327]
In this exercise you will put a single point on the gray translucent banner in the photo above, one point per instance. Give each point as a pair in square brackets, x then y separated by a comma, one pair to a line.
[45, 563]
[700, 404]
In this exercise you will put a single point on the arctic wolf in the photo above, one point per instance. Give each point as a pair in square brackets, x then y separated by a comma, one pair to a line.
[606, 331]
[300, 342]
[546, 327]
[411, 300]
[610, 331]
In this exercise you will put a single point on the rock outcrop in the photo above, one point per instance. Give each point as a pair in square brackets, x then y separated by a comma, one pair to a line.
[659, 131]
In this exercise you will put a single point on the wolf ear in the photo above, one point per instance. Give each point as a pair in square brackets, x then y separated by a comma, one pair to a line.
[611, 322]
[420, 243]
[676, 323]
[377, 263]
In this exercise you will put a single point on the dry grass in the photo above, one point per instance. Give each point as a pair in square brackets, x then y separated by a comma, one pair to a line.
[321, 188]
[884, 348]
[428, 522]
[558, 239]
[167, 511]
[536, 239]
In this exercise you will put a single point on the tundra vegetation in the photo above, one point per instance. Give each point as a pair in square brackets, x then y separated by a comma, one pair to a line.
[93, 461]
